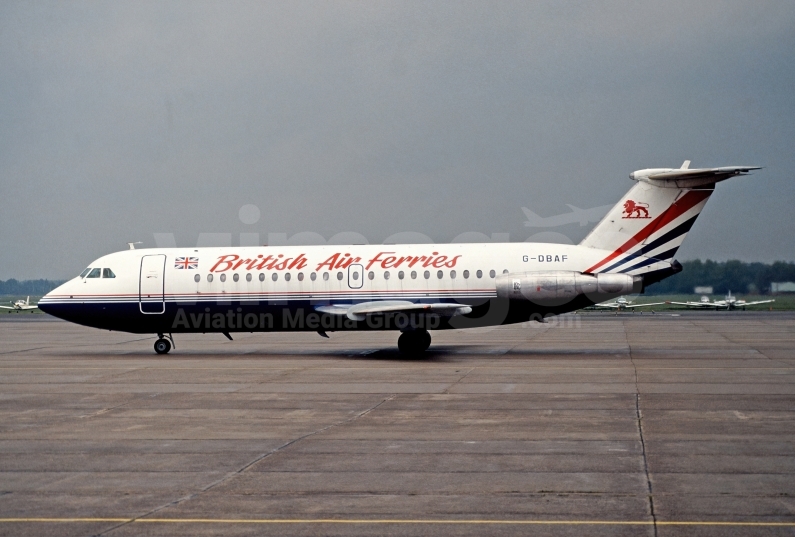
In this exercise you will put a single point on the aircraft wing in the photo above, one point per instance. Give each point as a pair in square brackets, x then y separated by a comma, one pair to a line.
[757, 302]
[358, 312]
[29, 307]
[606, 305]
[7, 307]
[695, 304]
[642, 305]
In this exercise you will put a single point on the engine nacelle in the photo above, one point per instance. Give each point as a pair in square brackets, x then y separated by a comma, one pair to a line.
[556, 288]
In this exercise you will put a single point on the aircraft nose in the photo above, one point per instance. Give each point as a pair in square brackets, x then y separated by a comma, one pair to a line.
[632, 176]
[43, 306]
[45, 303]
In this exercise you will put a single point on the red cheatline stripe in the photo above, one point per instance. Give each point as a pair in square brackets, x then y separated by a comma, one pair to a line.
[677, 209]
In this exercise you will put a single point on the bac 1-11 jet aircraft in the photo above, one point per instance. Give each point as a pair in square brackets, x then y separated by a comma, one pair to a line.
[411, 288]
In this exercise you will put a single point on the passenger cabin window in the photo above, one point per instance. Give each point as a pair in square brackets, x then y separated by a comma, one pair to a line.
[339, 275]
[223, 277]
[274, 276]
[479, 274]
[386, 275]
[95, 273]
[466, 274]
[300, 276]
[236, 277]
[209, 277]
[197, 278]
[313, 276]
[401, 274]
[248, 277]
[287, 277]
[492, 274]
[83, 274]
[262, 276]
[413, 274]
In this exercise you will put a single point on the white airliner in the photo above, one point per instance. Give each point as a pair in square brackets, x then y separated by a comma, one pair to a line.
[411, 288]
[729, 303]
[21, 305]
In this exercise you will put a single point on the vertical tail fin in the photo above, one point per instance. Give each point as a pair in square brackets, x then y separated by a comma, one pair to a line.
[648, 222]
[652, 219]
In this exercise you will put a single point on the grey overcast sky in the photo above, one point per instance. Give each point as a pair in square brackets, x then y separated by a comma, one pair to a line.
[120, 120]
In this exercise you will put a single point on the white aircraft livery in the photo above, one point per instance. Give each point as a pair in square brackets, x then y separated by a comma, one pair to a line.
[411, 288]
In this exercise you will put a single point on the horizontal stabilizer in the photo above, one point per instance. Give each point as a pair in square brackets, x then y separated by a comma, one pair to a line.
[685, 178]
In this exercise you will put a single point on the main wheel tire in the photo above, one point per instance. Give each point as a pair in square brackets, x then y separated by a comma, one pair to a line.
[405, 343]
[162, 346]
[414, 342]
[424, 340]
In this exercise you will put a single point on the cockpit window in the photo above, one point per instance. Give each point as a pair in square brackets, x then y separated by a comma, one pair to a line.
[107, 273]
[94, 273]
[83, 274]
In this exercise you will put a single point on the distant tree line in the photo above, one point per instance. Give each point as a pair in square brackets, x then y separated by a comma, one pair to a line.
[28, 287]
[724, 276]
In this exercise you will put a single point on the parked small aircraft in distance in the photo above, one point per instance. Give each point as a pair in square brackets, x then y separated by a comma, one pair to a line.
[621, 303]
[730, 302]
[406, 288]
[21, 305]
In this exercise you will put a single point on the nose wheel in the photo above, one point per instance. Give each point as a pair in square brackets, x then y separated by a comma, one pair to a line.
[162, 346]
[414, 342]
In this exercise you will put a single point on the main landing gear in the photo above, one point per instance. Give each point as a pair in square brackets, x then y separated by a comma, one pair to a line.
[163, 345]
[414, 342]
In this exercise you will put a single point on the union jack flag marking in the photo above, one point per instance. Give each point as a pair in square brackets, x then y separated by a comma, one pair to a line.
[186, 263]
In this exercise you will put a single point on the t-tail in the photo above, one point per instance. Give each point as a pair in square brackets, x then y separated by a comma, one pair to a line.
[642, 233]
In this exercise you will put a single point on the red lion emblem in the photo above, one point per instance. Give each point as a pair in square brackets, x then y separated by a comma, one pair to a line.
[633, 209]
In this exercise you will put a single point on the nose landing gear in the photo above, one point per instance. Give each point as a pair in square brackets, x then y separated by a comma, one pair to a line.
[163, 345]
[414, 342]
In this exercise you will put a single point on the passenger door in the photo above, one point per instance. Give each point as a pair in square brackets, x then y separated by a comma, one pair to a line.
[151, 285]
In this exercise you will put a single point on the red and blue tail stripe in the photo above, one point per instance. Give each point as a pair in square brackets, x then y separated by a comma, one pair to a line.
[636, 248]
